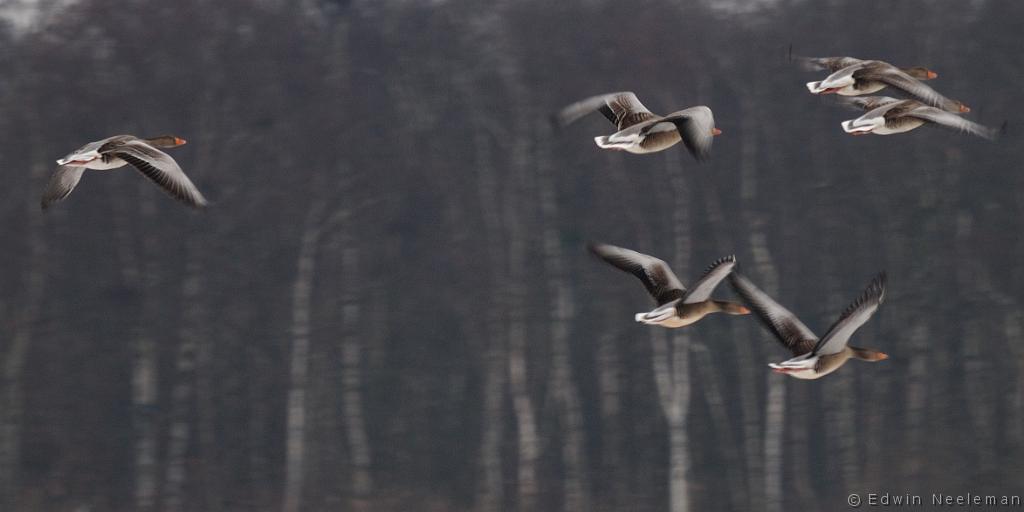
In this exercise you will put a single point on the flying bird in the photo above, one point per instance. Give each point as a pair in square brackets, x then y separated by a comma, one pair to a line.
[815, 358]
[640, 131]
[833, 64]
[677, 307]
[118, 151]
[886, 116]
[859, 77]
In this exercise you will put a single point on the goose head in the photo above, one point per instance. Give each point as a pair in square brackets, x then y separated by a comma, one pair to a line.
[921, 73]
[167, 141]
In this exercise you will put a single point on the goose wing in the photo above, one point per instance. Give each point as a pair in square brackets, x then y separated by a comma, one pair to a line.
[655, 274]
[704, 286]
[952, 121]
[832, 64]
[623, 109]
[853, 317]
[158, 167]
[893, 76]
[696, 126]
[61, 184]
[865, 102]
[779, 320]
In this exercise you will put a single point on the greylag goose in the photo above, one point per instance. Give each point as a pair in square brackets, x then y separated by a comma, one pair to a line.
[833, 64]
[815, 358]
[870, 76]
[640, 131]
[886, 116]
[677, 307]
[118, 151]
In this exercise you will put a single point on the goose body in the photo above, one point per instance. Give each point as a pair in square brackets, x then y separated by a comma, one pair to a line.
[814, 358]
[116, 152]
[887, 116]
[855, 77]
[640, 131]
[677, 306]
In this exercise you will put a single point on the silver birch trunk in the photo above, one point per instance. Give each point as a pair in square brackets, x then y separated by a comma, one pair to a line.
[708, 374]
[522, 403]
[840, 416]
[979, 404]
[145, 370]
[775, 406]
[295, 425]
[576, 487]
[917, 399]
[671, 353]
[352, 386]
[182, 396]
[749, 390]
[490, 494]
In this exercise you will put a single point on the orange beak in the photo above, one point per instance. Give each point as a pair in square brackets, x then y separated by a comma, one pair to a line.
[716, 131]
[964, 108]
[178, 141]
[932, 75]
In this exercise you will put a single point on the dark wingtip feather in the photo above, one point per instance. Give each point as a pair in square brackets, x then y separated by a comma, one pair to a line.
[724, 259]
[875, 289]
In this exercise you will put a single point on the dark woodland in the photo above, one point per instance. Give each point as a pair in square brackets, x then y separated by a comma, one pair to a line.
[389, 304]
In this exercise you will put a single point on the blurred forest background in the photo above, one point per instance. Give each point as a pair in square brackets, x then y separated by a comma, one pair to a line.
[389, 305]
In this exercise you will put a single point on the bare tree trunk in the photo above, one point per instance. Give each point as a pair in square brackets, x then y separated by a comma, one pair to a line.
[145, 392]
[917, 396]
[718, 405]
[522, 403]
[577, 489]
[723, 427]
[182, 398]
[671, 358]
[1015, 400]
[610, 485]
[749, 390]
[840, 417]
[13, 404]
[775, 407]
[490, 494]
[351, 359]
[302, 291]
[979, 404]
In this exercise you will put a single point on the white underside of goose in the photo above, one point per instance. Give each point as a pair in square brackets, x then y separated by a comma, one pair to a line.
[631, 139]
[631, 145]
[801, 367]
[877, 126]
[845, 86]
[665, 315]
[92, 160]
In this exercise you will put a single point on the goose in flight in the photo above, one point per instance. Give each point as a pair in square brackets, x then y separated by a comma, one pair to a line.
[815, 358]
[886, 116]
[640, 131]
[118, 151]
[677, 306]
[859, 77]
